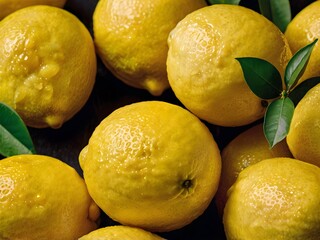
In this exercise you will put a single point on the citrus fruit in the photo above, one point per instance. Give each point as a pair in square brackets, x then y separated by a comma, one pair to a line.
[42, 76]
[275, 198]
[301, 31]
[120, 232]
[131, 38]
[152, 165]
[202, 67]
[248, 148]
[10, 6]
[303, 137]
[43, 198]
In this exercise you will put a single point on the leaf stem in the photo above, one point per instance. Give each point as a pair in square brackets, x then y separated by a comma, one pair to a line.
[284, 94]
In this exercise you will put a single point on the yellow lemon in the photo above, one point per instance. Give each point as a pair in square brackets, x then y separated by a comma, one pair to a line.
[152, 165]
[201, 64]
[120, 233]
[47, 65]
[10, 6]
[275, 198]
[43, 198]
[302, 30]
[131, 38]
[248, 148]
[303, 138]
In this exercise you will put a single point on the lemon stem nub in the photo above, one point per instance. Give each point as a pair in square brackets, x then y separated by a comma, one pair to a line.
[187, 183]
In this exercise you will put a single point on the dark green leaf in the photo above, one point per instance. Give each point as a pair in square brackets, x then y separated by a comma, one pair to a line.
[262, 77]
[300, 90]
[277, 11]
[14, 136]
[234, 2]
[297, 65]
[265, 8]
[277, 120]
[281, 13]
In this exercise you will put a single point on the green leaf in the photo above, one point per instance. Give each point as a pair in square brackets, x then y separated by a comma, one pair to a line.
[277, 120]
[265, 8]
[14, 136]
[277, 11]
[234, 2]
[262, 77]
[300, 90]
[281, 13]
[297, 65]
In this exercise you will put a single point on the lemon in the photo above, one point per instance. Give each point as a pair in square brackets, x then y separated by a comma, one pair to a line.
[43, 198]
[303, 138]
[152, 165]
[248, 148]
[131, 38]
[201, 64]
[120, 233]
[41, 75]
[10, 6]
[302, 30]
[274, 199]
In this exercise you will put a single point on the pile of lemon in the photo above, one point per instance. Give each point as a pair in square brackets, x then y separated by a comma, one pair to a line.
[154, 166]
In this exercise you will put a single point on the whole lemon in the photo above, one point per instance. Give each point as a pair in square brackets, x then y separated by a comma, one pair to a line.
[248, 148]
[43, 198]
[41, 75]
[131, 38]
[10, 6]
[120, 232]
[152, 165]
[202, 67]
[302, 30]
[275, 198]
[303, 137]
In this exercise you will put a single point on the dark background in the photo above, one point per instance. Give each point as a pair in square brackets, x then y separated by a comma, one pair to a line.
[109, 94]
